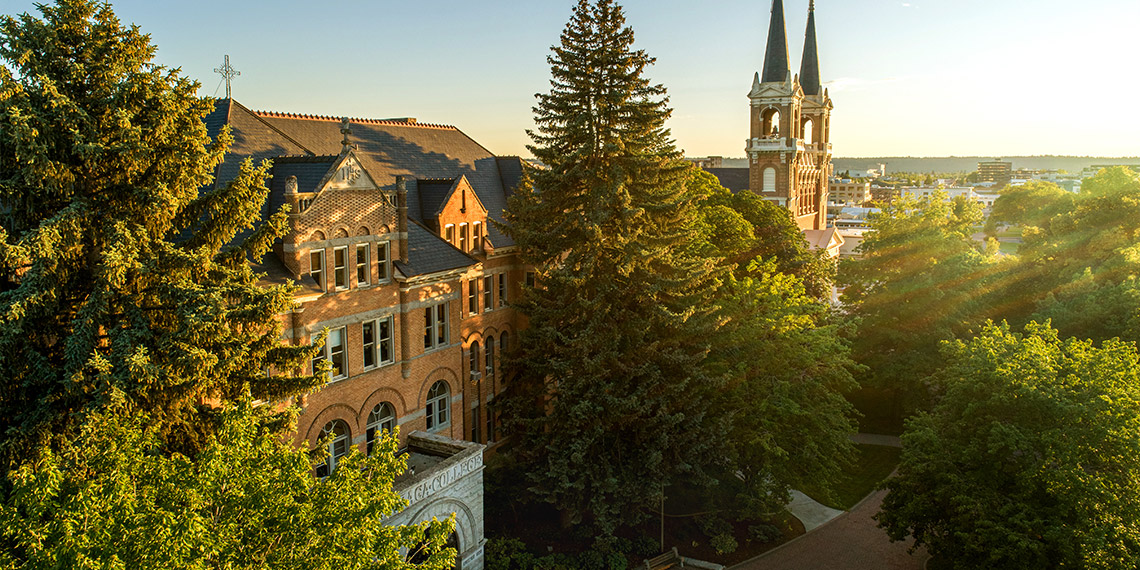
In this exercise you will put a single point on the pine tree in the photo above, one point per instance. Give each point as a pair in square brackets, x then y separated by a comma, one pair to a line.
[102, 158]
[621, 320]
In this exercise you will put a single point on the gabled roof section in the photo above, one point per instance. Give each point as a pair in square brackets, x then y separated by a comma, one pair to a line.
[776, 66]
[309, 170]
[809, 66]
[429, 253]
[433, 195]
[461, 190]
[510, 172]
[735, 179]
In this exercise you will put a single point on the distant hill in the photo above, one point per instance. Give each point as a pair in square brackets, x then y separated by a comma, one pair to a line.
[970, 163]
[960, 163]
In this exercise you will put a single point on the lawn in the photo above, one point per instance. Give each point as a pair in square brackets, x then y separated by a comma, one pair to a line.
[873, 464]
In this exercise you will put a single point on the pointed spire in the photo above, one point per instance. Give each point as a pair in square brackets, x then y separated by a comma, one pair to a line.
[776, 66]
[809, 67]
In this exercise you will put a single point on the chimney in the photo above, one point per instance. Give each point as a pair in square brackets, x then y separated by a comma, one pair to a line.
[402, 213]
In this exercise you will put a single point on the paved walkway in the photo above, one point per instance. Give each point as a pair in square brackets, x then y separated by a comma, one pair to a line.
[851, 541]
[838, 540]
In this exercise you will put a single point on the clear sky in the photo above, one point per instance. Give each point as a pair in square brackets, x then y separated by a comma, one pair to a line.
[909, 78]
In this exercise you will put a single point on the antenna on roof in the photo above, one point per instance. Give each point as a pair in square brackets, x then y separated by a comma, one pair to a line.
[227, 72]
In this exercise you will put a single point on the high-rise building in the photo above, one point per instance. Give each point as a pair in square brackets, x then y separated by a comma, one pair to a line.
[789, 152]
[996, 171]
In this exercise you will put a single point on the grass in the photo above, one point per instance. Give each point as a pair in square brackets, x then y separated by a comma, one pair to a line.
[1008, 248]
[873, 464]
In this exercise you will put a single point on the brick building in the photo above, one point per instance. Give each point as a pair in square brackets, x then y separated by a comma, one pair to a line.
[789, 147]
[391, 238]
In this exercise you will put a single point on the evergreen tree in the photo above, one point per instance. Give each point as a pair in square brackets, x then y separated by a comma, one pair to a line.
[102, 155]
[621, 321]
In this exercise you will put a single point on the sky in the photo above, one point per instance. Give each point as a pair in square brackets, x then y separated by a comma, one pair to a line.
[908, 78]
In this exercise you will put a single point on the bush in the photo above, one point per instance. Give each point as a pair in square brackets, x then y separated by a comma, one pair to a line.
[723, 544]
[645, 547]
[507, 554]
[713, 525]
[764, 533]
[618, 561]
[591, 560]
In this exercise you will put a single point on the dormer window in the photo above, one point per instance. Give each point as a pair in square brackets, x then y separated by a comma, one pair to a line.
[463, 237]
[477, 236]
[449, 233]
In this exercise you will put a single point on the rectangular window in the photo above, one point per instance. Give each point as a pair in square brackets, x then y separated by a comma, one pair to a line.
[340, 267]
[382, 251]
[530, 279]
[334, 352]
[449, 233]
[377, 342]
[502, 289]
[317, 267]
[463, 237]
[362, 264]
[473, 296]
[477, 236]
[435, 326]
[488, 293]
[490, 422]
[475, 424]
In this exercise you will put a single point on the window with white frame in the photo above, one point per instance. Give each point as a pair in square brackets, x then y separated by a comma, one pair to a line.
[381, 419]
[333, 351]
[463, 237]
[502, 289]
[449, 233]
[488, 293]
[362, 264]
[340, 267]
[477, 236]
[337, 440]
[438, 406]
[383, 259]
[317, 267]
[377, 342]
[435, 326]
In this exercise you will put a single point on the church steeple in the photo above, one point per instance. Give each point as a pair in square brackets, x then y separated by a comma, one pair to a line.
[776, 67]
[809, 67]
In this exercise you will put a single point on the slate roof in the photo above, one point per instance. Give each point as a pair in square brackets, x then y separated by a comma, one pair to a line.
[776, 64]
[809, 66]
[429, 253]
[735, 179]
[301, 145]
[433, 194]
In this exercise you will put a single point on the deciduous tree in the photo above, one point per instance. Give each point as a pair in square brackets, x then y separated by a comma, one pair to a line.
[1029, 459]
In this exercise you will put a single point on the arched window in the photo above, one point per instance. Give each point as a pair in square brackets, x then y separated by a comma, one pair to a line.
[504, 346]
[438, 406]
[475, 361]
[809, 131]
[336, 436]
[381, 419]
[769, 179]
[770, 126]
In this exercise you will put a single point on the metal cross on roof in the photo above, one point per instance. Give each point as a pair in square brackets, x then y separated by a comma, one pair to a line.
[228, 72]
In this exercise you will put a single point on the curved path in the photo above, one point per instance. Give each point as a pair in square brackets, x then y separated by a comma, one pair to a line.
[851, 541]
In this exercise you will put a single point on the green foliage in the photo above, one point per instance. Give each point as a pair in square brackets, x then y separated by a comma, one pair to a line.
[621, 323]
[740, 227]
[108, 499]
[764, 533]
[787, 368]
[102, 155]
[1029, 458]
[922, 280]
[1080, 260]
[723, 544]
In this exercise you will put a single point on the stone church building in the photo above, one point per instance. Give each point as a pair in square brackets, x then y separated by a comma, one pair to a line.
[392, 241]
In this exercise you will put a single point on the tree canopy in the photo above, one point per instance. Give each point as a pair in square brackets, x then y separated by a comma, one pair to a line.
[618, 327]
[1029, 459]
[116, 268]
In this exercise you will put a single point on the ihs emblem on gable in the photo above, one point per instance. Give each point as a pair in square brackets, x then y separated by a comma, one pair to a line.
[350, 172]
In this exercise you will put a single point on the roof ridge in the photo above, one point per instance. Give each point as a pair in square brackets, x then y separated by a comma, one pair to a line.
[402, 123]
[275, 129]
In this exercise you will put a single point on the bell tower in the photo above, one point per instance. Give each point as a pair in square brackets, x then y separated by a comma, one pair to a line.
[789, 151]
